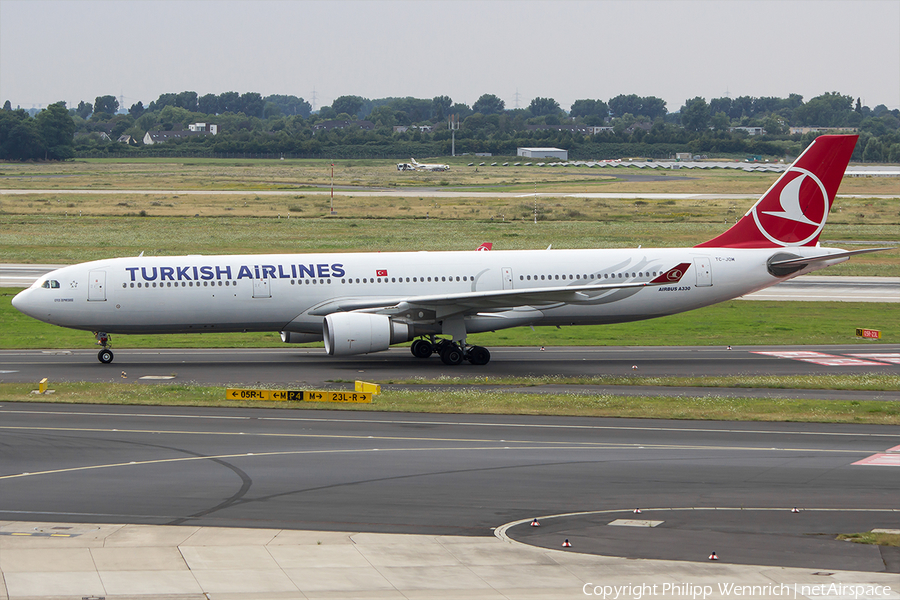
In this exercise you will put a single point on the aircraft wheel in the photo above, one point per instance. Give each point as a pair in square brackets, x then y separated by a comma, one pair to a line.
[451, 355]
[105, 356]
[421, 349]
[479, 355]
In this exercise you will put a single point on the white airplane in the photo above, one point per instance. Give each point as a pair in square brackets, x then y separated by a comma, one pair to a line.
[428, 167]
[364, 302]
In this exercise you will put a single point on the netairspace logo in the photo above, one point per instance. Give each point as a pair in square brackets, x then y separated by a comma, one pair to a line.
[702, 592]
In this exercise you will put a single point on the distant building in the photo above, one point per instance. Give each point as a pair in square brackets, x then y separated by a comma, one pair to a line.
[204, 128]
[158, 137]
[193, 130]
[329, 125]
[543, 153]
[405, 128]
[748, 130]
[802, 130]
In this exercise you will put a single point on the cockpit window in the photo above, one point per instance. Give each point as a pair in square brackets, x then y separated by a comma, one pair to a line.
[50, 283]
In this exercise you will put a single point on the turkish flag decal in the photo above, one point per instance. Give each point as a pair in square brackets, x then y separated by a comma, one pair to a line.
[381, 273]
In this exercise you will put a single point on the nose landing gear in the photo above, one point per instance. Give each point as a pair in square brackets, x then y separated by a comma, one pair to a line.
[105, 355]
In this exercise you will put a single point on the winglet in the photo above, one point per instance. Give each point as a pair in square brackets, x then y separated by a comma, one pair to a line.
[673, 275]
[793, 211]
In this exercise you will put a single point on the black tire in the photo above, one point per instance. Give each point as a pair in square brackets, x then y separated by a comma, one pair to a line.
[105, 356]
[421, 349]
[451, 355]
[479, 355]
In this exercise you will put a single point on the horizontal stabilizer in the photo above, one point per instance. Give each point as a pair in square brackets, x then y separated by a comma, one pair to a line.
[790, 262]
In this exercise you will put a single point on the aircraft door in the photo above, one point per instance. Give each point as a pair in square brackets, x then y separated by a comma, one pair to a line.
[507, 278]
[703, 266]
[261, 288]
[97, 286]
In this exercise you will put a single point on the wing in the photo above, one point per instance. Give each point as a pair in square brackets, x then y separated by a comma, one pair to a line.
[440, 306]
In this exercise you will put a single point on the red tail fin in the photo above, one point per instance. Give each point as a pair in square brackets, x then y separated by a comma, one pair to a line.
[793, 211]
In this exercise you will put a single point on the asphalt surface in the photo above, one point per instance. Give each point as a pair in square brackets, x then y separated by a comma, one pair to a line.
[305, 368]
[461, 475]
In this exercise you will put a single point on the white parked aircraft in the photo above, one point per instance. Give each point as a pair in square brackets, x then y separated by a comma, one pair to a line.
[364, 302]
[428, 167]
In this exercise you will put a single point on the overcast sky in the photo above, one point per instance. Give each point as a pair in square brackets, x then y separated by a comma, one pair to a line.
[78, 49]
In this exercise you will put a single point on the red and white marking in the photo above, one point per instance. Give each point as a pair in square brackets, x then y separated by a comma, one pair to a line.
[888, 458]
[828, 360]
[893, 357]
[881, 460]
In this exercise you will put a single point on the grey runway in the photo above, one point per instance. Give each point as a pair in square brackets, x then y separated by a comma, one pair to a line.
[311, 367]
[458, 475]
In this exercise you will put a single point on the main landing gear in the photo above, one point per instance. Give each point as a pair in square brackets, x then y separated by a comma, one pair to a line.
[451, 353]
[105, 356]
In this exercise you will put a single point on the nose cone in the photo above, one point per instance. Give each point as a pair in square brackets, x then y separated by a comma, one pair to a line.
[20, 302]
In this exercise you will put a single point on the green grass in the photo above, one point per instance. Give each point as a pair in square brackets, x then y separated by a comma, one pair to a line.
[490, 402]
[57, 239]
[737, 322]
[865, 381]
[879, 539]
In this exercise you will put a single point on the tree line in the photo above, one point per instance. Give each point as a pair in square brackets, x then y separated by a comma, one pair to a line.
[626, 125]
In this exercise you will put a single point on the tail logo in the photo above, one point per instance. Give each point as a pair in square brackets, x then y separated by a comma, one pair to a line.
[802, 204]
[675, 274]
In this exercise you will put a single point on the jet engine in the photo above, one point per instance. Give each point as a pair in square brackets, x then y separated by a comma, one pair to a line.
[360, 333]
[292, 337]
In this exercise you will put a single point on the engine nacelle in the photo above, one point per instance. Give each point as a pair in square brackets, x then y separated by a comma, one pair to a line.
[292, 337]
[349, 333]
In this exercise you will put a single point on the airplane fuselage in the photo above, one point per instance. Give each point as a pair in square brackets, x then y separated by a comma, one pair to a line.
[293, 292]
